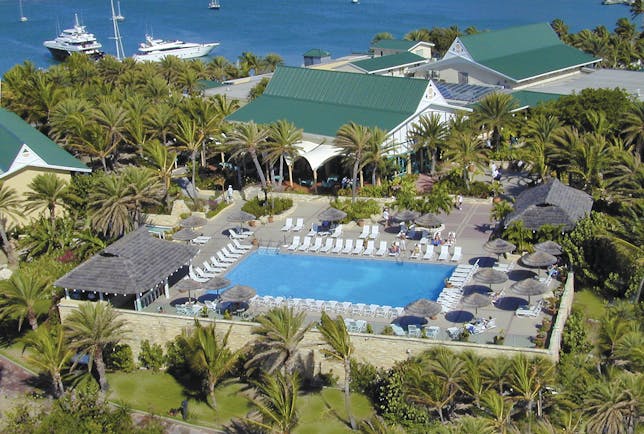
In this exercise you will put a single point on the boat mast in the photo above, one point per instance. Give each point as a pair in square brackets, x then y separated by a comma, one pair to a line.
[120, 53]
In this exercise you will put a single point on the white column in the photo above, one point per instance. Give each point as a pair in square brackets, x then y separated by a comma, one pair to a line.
[137, 303]
[66, 294]
[100, 295]
[166, 287]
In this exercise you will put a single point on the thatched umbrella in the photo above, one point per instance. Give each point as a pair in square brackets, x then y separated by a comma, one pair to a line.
[490, 276]
[549, 247]
[241, 217]
[529, 287]
[405, 215]
[476, 300]
[239, 293]
[193, 222]
[185, 234]
[498, 246]
[428, 221]
[332, 215]
[423, 307]
[188, 285]
[538, 259]
[216, 283]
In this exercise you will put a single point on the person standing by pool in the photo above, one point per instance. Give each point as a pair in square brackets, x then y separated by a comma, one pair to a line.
[459, 202]
[229, 194]
[385, 217]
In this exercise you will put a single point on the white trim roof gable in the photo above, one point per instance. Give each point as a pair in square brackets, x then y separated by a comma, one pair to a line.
[457, 49]
[26, 157]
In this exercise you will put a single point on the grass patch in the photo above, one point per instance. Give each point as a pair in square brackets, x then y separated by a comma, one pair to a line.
[159, 392]
[590, 303]
[324, 412]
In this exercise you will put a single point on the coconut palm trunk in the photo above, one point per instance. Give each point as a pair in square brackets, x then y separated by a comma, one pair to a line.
[347, 393]
[99, 363]
[281, 170]
[12, 258]
[354, 179]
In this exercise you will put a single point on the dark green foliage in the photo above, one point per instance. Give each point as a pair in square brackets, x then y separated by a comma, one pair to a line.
[390, 402]
[360, 209]
[176, 356]
[366, 379]
[258, 89]
[119, 357]
[151, 356]
[216, 209]
[274, 205]
[575, 339]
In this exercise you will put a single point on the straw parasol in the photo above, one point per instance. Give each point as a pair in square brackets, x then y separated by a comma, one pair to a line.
[498, 246]
[216, 283]
[538, 259]
[423, 307]
[185, 234]
[529, 287]
[193, 222]
[549, 247]
[428, 221]
[332, 215]
[490, 276]
[241, 217]
[476, 300]
[238, 293]
[405, 215]
[188, 285]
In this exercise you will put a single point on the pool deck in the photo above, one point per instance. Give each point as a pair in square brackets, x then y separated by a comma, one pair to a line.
[472, 228]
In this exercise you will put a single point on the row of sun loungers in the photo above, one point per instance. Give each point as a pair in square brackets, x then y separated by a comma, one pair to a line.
[337, 246]
[415, 331]
[218, 263]
[289, 226]
[451, 296]
[430, 253]
[330, 306]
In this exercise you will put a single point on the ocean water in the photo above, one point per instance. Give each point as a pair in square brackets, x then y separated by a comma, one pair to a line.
[368, 281]
[286, 27]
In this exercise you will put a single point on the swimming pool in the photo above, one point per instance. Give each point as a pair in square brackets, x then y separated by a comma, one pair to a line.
[387, 283]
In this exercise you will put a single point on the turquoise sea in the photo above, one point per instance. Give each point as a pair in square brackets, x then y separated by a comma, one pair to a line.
[287, 27]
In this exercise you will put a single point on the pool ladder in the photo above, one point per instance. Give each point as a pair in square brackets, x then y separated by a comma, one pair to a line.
[271, 248]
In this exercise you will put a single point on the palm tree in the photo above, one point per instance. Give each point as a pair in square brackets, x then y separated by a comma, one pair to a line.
[144, 189]
[110, 206]
[560, 28]
[9, 207]
[282, 145]
[225, 106]
[277, 402]
[353, 139]
[376, 154]
[191, 137]
[48, 191]
[633, 127]
[419, 35]
[49, 352]
[472, 425]
[249, 139]
[428, 390]
[495, 373]
[427, 134]
[249, 62]
[613, 405]
[163, 160]
[272, 61]
[90, 329]
[161, 120]
[541, 131]
[112, 120]
[494, 112]
[528, 379]
[381, 36]
[279, 334]
[465, 150]
[449, 369]
[24, 296]
[335, 335]
[498, 409]
[211, 357]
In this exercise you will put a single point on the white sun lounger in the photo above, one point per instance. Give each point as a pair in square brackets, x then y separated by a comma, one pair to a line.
[241, 246]
[210, 268]
[299, 224]
[429, 254]
[458, 254]
[375, 232]
[239, 236]
[228, 254]
[201, 239]
[444, 255]
[223, 258]
[234, 250]
[328, 245]
[348, 247]
[218, 264]
[371, 247]
[314, 230]
[398, 331]
[203, 274]
[339, 243]
[317, 245]
[288, 225]
[337, 232]
[382, 250]
[358, 248]
[295, 244]
[193, 276]
[305, 244]
[365, 232]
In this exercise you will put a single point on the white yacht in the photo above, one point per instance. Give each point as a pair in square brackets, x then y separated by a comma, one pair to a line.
[74, 40]
[154, 50]
[214, 4]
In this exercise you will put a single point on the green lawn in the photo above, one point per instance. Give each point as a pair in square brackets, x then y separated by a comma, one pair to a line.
[590, 303]
[157, 393]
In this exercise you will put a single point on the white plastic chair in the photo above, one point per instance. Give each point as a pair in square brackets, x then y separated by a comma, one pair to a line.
[337, 232]
[382, 250]
[348, 247]
[241, 246]
[429, 254]
[375, 232]
[295, 244]
[444, 255]
[299, 224]
[305, 244]
[338, 246]
[328, 245]
[365, 231]
[288, 225]
[458, 254]
[358, 248]
[317, 245]
[371, 247]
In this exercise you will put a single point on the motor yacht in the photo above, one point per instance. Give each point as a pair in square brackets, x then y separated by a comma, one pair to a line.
[74, 40]
[154, 50]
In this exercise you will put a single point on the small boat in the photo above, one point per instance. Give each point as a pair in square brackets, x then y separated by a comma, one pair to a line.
[214, 4]
[118, 16]
[355, 2]
[155, 50]
[23, 18]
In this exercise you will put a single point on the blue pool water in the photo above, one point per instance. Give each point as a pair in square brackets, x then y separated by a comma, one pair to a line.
[341, 279]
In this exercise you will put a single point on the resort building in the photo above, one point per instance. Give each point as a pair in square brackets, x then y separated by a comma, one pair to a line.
[316, 56]
[510, 58]
[386, 47]
[320, 102]
[135, 268]
[550, 203]
[396, 65]
[26, 153]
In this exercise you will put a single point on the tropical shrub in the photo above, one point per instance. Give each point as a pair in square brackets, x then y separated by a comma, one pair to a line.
[273, 206]
[119, 357]
[215, 208]
[151, 356]
[360, 209]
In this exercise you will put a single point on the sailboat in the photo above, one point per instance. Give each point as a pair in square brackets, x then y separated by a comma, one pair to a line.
[23, 18]
[118, 16]
[214, 4]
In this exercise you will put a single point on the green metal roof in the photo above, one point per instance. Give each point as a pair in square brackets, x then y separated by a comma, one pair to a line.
[395, 44]
[391, 61]
[528, 98]
[524, 52]
[15, 132]
[317, 52]
[320, 102]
